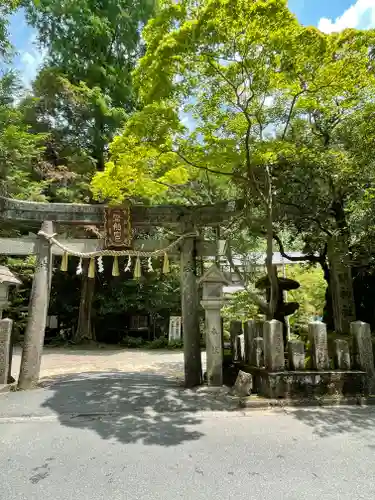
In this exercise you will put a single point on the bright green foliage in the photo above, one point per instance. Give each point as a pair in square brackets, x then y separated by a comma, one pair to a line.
[248, 74]
[92, 47]
[20, 150]
[310, 296]
[6, 8]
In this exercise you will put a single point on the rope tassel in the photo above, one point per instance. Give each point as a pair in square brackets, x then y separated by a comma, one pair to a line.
[115, 268]
[79, 267]
[64, 262]
[91, 273]
[100, 264]
[166, 267]
[128, 265]
[137, 269]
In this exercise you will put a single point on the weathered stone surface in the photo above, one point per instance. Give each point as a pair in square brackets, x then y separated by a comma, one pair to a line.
[38, 307]
[162, 215]
[296, 355]
[243, 384]
[6, 326]
[273, 345]
[259, 328]
[190, 314]
[212, 282]
[311, 384]
[235, 332]
[258, 352]
[241, 348]
[250, 332]
[342, 355]
[363, 353]
[341, 283]
[319, 345]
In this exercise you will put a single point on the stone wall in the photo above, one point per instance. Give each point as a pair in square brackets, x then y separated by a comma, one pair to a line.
[280, 371]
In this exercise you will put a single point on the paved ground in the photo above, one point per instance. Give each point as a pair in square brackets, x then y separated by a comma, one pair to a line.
[137, 435]
[60, 361]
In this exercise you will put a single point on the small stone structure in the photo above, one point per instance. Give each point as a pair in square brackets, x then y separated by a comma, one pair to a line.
[212, 301]
[271, 378]
[7, 279]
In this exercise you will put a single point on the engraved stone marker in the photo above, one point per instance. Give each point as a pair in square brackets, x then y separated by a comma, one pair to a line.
[241, 346]
[5, 339]
[257, 352]
[342, 355]
[363, 354]
[296, 355]
[212, 304]
[274, 345]
[250, 332]
[175, 323]
[319, 346]
[235, 332]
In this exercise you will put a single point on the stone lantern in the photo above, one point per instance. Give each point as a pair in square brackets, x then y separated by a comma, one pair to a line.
[212, 301]
[7, 279]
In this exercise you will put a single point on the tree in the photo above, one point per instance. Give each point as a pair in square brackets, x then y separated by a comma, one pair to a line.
[93, 46]
[6, 8]
[248, 74]
[85, 90]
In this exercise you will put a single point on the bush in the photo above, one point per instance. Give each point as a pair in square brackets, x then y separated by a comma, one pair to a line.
[132, 342]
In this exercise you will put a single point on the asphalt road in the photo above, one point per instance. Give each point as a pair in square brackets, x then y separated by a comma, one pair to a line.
[134, 436]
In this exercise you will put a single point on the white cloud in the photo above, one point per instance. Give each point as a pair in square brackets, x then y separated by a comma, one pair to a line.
[360, 15]
[30, 61]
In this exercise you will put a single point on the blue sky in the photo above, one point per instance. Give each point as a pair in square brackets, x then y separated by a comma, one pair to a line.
[328, 15]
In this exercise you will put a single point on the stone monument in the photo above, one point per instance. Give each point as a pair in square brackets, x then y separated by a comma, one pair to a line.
[212, 301]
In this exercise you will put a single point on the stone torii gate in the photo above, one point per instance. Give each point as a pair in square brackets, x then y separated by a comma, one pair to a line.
[182, 219]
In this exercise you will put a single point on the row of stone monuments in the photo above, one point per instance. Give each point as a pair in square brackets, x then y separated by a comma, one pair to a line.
[280, 371]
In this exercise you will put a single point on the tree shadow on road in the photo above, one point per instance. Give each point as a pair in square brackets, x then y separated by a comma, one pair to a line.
[131, 407]
[330, 421]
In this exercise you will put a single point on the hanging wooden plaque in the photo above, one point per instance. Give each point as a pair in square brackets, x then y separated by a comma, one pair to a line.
[117, 224]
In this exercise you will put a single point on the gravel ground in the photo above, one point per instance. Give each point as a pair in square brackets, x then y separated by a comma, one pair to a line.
[62, 361]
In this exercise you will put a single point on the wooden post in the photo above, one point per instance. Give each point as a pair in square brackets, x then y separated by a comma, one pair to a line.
[190, 314]
[38, 309]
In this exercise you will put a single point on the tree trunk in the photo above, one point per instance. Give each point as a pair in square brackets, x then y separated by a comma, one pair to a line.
[37, 316]
[84, 330]
[271, 269]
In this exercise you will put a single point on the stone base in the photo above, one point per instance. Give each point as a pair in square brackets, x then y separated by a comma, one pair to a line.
[259, 403]
[6, 388]
[309, 384]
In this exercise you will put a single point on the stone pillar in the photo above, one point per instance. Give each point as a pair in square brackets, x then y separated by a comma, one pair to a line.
[190, 315]
[37, 316]
[342, 355]
[214, 346]
[341, 283]
[212, 302]
[273, 346]
[5, 349]
[319, 345]
[257, 352]
[363, 353]
[235, 332]
[296, 355]
[250, 333]
[259, 328]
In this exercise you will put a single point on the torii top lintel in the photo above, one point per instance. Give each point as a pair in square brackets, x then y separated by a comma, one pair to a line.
[159, 215]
